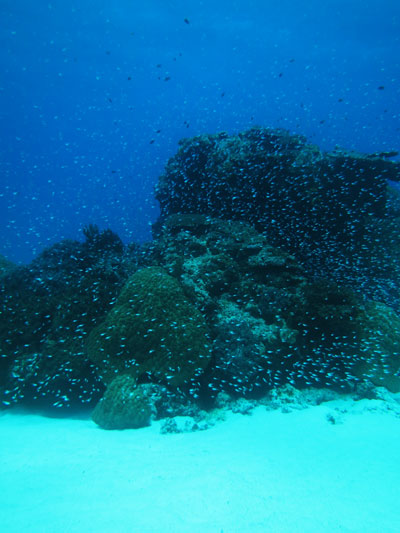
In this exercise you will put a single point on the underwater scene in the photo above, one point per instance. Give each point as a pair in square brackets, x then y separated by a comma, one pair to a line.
[200, 266]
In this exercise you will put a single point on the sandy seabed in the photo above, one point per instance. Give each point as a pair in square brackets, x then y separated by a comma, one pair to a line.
[266, 472]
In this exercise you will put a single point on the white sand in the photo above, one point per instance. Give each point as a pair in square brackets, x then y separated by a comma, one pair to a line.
[269, 472]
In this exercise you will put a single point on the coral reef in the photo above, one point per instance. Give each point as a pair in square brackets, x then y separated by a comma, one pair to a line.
[124, 405]
[152, 329]
[47, 310]
[271, 323]
[333, 211]
[379, 331]
[274, 268]
[129, 405]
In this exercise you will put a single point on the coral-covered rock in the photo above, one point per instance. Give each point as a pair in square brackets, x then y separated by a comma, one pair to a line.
[332, 211]
[248, 352]
[125, 405]
[346, 337]
[270, 323]
[379, 359]
[153, 330]
[47, 310]
[272, 265]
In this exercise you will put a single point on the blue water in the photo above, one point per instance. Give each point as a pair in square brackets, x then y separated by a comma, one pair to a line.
[95, 96]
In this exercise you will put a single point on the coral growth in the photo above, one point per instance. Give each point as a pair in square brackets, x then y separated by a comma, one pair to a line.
[273, 265]
[124, 405]
[153, 329]
[47, 310]
[332, 211]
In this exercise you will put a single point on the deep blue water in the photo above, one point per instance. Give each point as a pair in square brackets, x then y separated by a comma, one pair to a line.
[95, 96]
